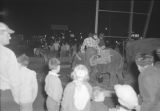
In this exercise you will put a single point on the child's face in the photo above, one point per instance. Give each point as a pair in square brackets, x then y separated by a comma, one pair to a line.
[58, 68]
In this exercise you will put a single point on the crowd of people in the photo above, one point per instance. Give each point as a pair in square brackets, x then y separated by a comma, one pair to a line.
[19, 83]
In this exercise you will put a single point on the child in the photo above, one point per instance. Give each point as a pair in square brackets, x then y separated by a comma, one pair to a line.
[53, 85]
[29, 86]
[99, 95]
[77, 93]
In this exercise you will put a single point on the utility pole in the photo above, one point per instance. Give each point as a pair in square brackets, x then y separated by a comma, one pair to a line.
[148, 19]
[131, 18]
[96, 16]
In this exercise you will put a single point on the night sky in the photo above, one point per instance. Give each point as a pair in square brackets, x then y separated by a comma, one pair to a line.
[36, 16]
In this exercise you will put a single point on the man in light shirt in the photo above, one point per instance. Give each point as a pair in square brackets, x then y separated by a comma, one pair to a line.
[91, 41]
[9, 76]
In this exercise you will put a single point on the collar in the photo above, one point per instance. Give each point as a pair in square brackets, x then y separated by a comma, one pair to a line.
[53, 73]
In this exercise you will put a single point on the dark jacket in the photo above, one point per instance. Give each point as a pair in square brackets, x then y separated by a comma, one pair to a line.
[149, 86]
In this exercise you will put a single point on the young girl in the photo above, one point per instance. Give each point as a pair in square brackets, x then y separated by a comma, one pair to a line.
[53, 86]
[29, 87]
[77, 93]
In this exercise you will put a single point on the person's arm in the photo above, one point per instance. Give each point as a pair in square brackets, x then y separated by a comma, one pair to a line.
[83, 46]
[58, 90]
[35, 86]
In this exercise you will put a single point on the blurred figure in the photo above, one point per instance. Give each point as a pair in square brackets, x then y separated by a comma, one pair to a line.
[53, 86]
[97, 103]
[9, 75]
[29, 85]
[102, 42]
[127, 97]
[157, 62]
[149, 83]
[56, 46]
[77, 93]
[91, 41]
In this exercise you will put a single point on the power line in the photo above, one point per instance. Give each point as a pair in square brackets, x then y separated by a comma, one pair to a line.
[122, 12]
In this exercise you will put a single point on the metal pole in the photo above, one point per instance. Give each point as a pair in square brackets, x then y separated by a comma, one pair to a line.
[96, 16]
[148, 19]
[131, 18]
[112, 11]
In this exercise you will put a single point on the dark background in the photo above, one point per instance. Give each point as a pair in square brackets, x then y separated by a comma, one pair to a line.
[36, 16]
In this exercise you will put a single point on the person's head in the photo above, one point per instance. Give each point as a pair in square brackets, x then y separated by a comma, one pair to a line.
[23, 60]
[95, 36]
[143, 61]
[54, 64]
[98, 94]
[80, 72]
[5, 33]
[101, 35]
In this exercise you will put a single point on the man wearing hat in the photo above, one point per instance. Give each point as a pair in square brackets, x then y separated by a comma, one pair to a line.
[9, 76]
[149, 83]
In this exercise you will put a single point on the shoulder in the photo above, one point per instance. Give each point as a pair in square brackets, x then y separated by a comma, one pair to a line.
[152, 73]
[9, 52]
[70, 85]
[29, 72]
[151, 69]
[88, 86]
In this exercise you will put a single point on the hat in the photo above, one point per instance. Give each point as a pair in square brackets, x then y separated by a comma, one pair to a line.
[4, 27]
[126, 96]
[144, 59]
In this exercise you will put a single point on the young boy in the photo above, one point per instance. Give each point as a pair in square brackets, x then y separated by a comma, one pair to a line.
[77, 93]
[29, 87]
[53, 86]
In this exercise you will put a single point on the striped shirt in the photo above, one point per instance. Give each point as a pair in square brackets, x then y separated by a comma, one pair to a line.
[89, 42]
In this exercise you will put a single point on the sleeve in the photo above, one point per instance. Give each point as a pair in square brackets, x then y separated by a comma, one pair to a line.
[58, 90]
[90, 90]
[35, 86]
